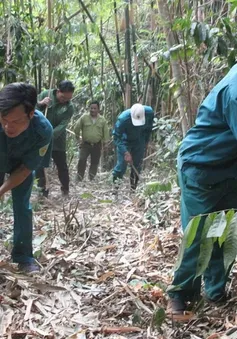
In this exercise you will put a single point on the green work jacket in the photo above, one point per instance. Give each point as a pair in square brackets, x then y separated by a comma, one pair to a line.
[59, 115]
[92, 131]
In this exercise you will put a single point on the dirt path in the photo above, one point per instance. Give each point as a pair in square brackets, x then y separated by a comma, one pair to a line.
[105, 267]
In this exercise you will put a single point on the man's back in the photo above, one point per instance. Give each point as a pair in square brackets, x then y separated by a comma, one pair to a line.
[212, 143]
[131, 133]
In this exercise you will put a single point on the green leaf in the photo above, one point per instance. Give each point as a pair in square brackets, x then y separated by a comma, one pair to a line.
[154, 187]
[218, 226]
[229, 216]
[230, 244]
[37, 254]
[106, 201]
[136, 318]
[222, 47]
[200, 33]
[231, 58]
[87, 196]
[159, 317]
[39, 239]
[206, 248]
[191, 232]
[188, 237]
[202, 30]
[208, 222]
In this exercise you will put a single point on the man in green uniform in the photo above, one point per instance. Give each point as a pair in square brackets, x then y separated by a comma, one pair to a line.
[59, 112]
[25, 145]
[207, 170]
[132, 133]
[94, 131]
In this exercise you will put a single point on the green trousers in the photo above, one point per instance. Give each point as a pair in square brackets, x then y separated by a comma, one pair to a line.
[200, 199]
[94, 151]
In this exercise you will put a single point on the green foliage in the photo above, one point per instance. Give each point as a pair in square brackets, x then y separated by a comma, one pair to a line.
[220, 228]
[229, 218]
[6, 204]
[154, 187]
[218, 225]
[158, 318]
[87, 195]
[192, 230]
[230, 243]
[188, 237]
[206, 248]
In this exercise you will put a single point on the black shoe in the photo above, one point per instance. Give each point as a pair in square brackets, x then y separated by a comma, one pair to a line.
[65, 193]
[28, 267]
[176, 306]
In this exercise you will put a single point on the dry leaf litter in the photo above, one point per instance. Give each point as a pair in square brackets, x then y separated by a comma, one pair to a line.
[106, 262]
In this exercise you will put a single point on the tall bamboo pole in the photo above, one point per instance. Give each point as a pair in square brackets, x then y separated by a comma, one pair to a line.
[105, 46]
[49, 14]
[88, 57]
[128, 66]
[175, 66]
[117, 39]
[33, 57]
[134, 47]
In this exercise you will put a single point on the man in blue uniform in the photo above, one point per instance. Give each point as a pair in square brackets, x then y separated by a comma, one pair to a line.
[25, 144]
[131, 135]
[207, 170]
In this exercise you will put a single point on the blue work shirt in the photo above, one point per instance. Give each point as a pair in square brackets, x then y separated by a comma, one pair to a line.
[31, 148]
[208, 153]
[126, 134]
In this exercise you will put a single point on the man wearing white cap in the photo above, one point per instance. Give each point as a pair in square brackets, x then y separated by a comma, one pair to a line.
[131, 135]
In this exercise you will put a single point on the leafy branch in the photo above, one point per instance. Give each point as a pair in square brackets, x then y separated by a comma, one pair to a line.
[219, 227]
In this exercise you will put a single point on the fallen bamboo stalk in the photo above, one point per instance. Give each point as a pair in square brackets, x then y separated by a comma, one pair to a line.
[112, 330]
[149, 156]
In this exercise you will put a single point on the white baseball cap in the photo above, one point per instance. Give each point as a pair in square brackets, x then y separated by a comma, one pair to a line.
[138, 115]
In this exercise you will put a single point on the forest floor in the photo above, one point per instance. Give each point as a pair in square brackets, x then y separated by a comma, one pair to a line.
[106, 261]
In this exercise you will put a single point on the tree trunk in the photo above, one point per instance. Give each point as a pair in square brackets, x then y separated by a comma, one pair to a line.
[175, 66]
[128, 66]
[134, 46]
[88, 58]
[117, 39]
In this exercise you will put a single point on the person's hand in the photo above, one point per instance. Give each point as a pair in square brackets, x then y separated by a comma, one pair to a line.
[46, 101]
[128, 157]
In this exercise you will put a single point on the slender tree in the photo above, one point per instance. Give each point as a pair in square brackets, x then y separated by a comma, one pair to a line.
[175, 66]
[134, 47]
[118, 40]
[105, 46]
[128, 63]
[88, 57]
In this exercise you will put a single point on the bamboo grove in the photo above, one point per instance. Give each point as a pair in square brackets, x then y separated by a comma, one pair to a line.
[164, 54]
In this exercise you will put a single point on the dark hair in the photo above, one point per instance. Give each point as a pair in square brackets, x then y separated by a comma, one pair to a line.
[66, 86]
[15, 94]
[95, 102]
